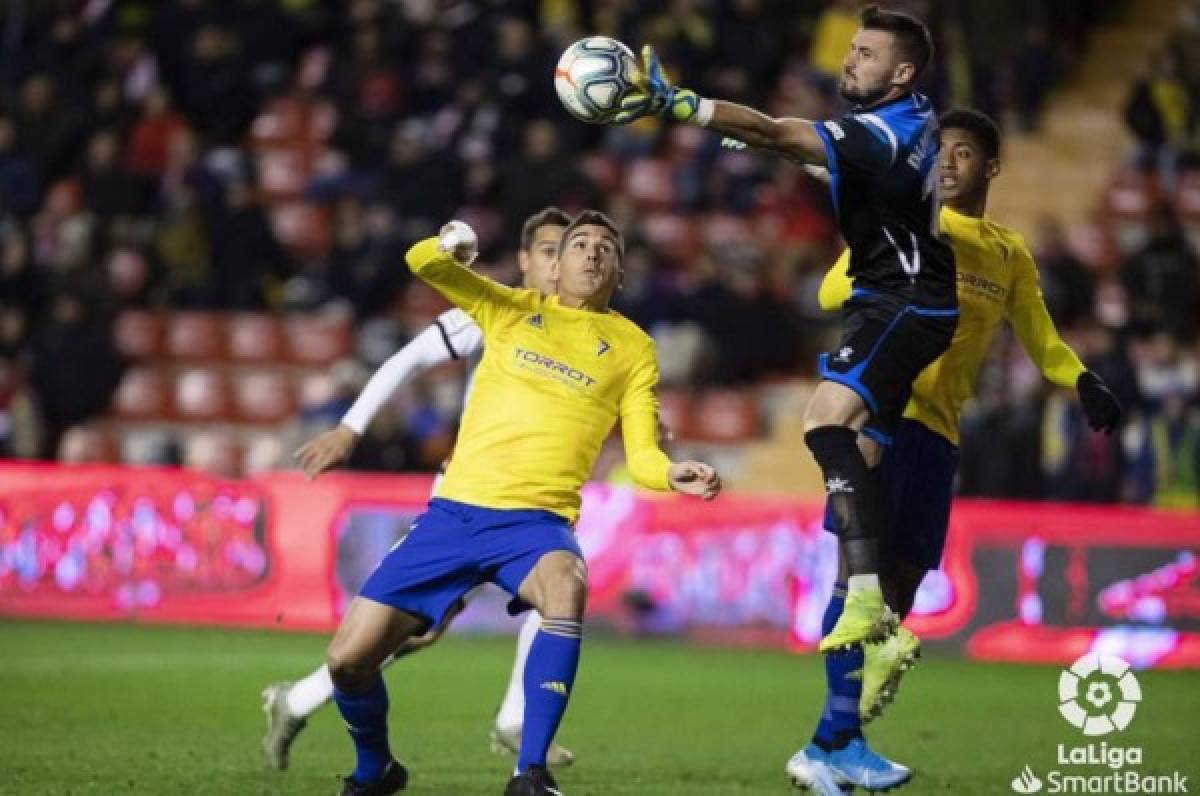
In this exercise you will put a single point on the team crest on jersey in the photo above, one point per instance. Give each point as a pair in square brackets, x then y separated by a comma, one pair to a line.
[602, 348]
[844, 354]
[535, 320]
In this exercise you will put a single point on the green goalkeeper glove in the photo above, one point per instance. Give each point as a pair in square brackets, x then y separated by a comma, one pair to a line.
[653, 93]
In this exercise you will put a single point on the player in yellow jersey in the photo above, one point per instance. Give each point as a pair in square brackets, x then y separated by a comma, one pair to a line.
[557, 373]
[997, 281]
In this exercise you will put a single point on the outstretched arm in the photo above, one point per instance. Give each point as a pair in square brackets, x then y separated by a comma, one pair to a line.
[795, 139]
[452, 336]
[640, 431]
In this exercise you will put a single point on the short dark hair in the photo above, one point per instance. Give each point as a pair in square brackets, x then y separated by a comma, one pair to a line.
[546, 217]
[978, 124]
[912, 36]
[595, 218]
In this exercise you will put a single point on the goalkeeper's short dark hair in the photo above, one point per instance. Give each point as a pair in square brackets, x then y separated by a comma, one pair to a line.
[546, 217]
[913, 39]
[588, 218]
[978, 124]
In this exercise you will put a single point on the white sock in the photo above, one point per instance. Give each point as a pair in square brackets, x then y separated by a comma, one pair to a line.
[310, 693]
[863, 583]
[512, 709]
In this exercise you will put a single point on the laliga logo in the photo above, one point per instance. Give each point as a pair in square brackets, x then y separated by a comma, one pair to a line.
[1087, 699]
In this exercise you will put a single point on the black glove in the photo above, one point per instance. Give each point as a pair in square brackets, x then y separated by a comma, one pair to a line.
[1102, 408]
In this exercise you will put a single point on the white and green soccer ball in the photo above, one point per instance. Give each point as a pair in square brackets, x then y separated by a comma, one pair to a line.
[592, 77]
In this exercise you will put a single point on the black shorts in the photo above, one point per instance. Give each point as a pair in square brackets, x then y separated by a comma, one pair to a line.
[885, 345]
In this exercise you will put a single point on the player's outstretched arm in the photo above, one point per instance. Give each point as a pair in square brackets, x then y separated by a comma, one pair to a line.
[1057, 361]
[443, 262]
[447, 339]
[795, 139]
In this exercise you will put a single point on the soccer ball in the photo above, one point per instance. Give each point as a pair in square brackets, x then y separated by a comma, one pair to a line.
[593, 76]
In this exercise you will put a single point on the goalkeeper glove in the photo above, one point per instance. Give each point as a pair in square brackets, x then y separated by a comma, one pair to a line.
[653, 93]
[1102, 408]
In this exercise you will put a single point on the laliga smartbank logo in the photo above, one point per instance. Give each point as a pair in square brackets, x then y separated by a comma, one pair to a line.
[1098, 695]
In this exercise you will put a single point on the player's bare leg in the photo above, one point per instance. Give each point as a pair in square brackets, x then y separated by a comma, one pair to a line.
[835, 416]
[369, 632]
[557, 588]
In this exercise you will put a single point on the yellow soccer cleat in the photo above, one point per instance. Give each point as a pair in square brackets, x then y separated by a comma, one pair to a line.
[883, 667]
[865, 619]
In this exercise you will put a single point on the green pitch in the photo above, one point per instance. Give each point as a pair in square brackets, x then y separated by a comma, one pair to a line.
[118, 710]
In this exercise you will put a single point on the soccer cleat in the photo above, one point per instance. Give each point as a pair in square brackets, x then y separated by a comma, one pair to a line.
[282, 726]
[865, 618]
[507, 740]
[856, 764]
[394, 779]
[534, 781]
[809, 770]
[883, 667]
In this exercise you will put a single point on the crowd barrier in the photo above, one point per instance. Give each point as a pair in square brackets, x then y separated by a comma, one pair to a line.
[1019, 582]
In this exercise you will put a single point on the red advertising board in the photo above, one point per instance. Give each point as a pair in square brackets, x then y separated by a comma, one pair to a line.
[1028, 582]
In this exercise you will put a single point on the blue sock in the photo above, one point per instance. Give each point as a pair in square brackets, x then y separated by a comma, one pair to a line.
[839, 722]
[366, 718]
[549, 676]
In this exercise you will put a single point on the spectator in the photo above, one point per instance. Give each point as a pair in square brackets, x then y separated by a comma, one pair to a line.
[245, 255]
[1069, 288]
[835, 27]
[1162, 279]
[74, 366]
[152, 134]
[1160, 115]
[49, 131]
[19, 189]
[1166, 467]
[542, 176]
[109, 190]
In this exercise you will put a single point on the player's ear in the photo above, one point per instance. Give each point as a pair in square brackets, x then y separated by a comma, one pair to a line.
[904, 74]
[523, 260]
[992, 169]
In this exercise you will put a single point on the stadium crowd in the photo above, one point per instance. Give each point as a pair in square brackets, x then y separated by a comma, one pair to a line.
[142, 166]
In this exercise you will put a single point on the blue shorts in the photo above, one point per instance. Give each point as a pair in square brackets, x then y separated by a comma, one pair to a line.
[453, 547]
[917, 479]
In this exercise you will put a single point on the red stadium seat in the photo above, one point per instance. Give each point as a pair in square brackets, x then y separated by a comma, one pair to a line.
[283, 172]
[254, 337]
[212, 451]
[648, 183]
[139, 334]
[1132, 194]
[81, 444]
[201, 394]
[726, 416]
[263, 396]
[195, 336]
[293, 120]
[317, 339]
[1187, 198]
[302, 227]
[263, 453]
[675, 412]
[142, 395]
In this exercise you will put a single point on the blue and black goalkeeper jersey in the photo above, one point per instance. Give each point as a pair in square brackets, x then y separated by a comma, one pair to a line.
[883, 164]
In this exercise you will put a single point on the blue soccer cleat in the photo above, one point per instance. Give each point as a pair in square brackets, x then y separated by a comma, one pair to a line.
[809, 770]
[857, 765]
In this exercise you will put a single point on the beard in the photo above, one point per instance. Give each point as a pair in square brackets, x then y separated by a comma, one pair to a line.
[863, 96]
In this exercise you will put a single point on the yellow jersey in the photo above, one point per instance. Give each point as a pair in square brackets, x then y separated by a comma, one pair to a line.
[997, 280]
[552, 382]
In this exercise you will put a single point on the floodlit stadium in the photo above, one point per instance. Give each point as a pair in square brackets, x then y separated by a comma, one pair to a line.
[539, 398]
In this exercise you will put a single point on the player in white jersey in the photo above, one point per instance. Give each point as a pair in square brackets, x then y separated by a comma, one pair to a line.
[453, 336]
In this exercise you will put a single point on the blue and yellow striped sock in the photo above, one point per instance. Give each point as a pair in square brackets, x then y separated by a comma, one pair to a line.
[549, 676]
[843, 684]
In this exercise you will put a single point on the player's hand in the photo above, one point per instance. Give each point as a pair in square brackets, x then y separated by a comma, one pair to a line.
[694, 478]
[326, 451]
[1102, 408]
[653, 93]
[457, 239]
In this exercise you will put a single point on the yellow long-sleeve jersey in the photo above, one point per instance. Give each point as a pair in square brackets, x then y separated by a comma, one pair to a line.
[552, 382]
[997, 280]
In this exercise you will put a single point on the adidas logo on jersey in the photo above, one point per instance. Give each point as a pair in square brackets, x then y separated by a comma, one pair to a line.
[835, 485]
[602, 348]
[556, 686]
[536, 321]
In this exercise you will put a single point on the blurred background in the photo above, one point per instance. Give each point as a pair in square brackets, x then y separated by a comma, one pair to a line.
[204, 207]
